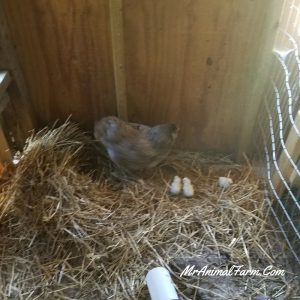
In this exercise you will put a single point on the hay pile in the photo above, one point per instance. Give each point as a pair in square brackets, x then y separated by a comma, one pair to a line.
[68, 234]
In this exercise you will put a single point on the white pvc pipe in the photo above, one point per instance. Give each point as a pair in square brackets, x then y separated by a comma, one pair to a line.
[160, 284]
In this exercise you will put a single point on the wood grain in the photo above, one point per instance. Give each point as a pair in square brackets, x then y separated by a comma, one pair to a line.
[287, 170]
[116, 21]
[5, 154]
[23, 117]
[5, 80]
[5, 147]
[200, 64]
[64, 47]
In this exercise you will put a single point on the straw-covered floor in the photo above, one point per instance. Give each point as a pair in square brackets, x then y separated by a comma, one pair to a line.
[66, 233]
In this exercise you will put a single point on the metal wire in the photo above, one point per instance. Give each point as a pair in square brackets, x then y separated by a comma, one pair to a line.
[280, 132]
[289, 92]
[283, 180]
[281, 138]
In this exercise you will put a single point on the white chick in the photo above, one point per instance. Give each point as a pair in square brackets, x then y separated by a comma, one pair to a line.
[188, 189]
[225, 182]
[175, 187]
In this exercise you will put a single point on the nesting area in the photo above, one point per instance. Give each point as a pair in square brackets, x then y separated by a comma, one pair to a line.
[70, 232]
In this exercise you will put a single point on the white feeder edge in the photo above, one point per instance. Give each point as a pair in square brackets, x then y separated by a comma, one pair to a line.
[160, 284]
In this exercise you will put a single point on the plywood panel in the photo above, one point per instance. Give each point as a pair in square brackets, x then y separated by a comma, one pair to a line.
[201, 64]
[5, 151]
[116, 21]
[23, 117]
[5, 154]
[64, 47]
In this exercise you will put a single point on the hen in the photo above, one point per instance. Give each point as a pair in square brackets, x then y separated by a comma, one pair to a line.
[135, 147]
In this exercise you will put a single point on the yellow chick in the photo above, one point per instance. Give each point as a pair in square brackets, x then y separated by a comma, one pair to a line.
[188, 189]
[175, 187]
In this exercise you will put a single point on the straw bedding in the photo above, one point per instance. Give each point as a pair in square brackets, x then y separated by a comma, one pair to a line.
[69, 233]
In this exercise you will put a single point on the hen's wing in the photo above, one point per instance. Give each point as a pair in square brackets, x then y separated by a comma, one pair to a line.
[135, 154]
[135, 147]
[140, 127]
[126, 144]
[162, 136]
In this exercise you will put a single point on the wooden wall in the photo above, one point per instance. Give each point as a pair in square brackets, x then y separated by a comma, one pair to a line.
[65, 50]
[199, 63]
[16, 116]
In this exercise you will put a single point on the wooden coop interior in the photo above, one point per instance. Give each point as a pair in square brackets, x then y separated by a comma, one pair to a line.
[218, 69]
[200, 64]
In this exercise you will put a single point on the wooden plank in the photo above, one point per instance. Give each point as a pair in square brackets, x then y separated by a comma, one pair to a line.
[17, 88]
[5, 154]
[201, 64]
[292, 145]
[5, 80]
[65, 53]
[294, 179]
[5, 151]
[116, 21]
[284, 49]
[4, 100]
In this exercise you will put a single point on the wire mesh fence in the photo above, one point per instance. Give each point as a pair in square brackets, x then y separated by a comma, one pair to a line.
[280, 126]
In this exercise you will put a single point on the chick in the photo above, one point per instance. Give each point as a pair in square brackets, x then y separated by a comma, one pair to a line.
[175, 187]
[224, 182]
[188, 189]
[135, 147]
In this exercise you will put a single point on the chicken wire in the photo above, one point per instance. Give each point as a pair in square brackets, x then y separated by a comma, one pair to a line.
[277, 120]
